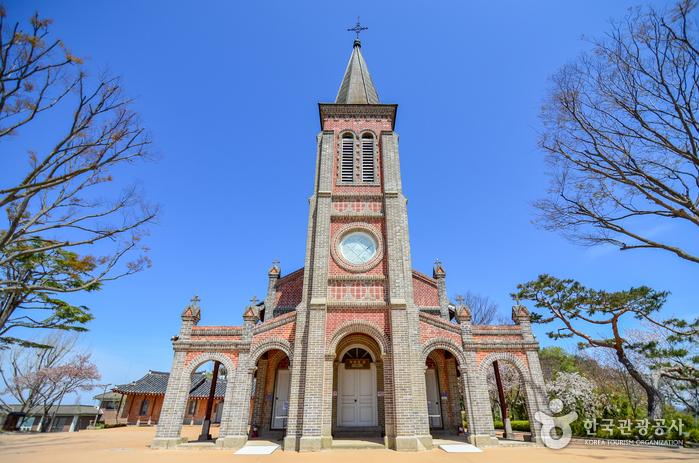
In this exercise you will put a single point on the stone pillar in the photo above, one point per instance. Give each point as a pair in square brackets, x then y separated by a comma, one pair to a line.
[535, 387]
[179, 382]
[236, 406]
[326, 432]
[273, 277]
[453, 385]
[305, 423]
[480, 430]
[439, 274]
[260, 391]
[410, 404]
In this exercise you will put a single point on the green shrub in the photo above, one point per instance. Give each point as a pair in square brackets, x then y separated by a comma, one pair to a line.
[118, 425]
[517, 425]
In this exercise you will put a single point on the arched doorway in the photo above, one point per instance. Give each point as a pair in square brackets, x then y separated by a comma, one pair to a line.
[270, 399]
[511, 399]
[444, 393]
[358, 399]
[356, 392]
[202, 416]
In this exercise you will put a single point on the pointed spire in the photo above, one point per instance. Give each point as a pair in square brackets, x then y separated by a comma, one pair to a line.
[357, 86]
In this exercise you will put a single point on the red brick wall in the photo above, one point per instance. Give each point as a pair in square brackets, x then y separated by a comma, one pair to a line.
[424, 291]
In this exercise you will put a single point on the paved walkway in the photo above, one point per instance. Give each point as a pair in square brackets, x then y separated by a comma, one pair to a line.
[130, 445]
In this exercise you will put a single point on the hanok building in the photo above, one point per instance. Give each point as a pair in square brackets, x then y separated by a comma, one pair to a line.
[355, 342]
[144, 399]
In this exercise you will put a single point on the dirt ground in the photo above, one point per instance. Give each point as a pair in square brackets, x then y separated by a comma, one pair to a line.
[130, 445]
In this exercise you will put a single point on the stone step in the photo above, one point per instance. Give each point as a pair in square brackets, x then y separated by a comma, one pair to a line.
[357, 444]
[357, 432]
[196, 445]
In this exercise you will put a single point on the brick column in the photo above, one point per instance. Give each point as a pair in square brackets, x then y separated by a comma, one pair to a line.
[326, 432]
[440, 275]
[305, 421]
[236, 406]
[179, 382]
[273, 278]
[453, 384]
[477, 401]
[410, 404]
[260, 389]
[535, 387]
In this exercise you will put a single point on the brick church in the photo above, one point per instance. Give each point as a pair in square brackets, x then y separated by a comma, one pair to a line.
[356, 342]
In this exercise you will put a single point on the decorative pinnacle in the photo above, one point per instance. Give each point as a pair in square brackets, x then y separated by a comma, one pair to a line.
[357, 29]
[460, 299]
[437, 261]
[253, 301]
[275, 263]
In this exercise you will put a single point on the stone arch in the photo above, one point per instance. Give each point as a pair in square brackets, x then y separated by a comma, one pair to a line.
[267, 345]
[444, 344]
[210, 356]
[358, 326]
[526, 382]
[522, 369]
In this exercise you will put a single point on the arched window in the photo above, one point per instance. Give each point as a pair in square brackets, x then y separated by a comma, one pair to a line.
[347, 158]
[368, 170]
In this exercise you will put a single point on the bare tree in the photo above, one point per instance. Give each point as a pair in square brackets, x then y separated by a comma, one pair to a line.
[622, 136]
[483, 309]
[67, 200]
[19, 363]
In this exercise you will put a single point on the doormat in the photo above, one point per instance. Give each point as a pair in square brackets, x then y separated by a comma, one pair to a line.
[257, 450]
[459, 448]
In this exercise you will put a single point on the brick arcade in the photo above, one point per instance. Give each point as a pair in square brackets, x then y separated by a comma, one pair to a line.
[356, 342]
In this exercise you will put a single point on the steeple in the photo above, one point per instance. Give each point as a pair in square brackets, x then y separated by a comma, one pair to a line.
[357, 86]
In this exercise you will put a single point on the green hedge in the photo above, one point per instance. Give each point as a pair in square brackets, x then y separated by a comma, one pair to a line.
[517, 425]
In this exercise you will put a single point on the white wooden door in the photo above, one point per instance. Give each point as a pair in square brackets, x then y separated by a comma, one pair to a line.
[356, 404]
[434, 409]
[281, 400]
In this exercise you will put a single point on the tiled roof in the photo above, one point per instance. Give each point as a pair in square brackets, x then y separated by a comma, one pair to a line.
[204, 387]
[62, 410]
[155, 382]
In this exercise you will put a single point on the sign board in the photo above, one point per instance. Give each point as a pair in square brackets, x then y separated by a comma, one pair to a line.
[357, 364]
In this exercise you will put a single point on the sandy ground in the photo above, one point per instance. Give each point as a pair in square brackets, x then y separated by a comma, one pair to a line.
[130, 445]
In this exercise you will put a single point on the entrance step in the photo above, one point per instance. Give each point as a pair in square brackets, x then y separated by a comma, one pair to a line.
[358, 444]
[196, 445]
[352, 433]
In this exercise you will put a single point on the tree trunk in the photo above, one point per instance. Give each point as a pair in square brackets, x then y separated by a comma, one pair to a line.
[653, 394]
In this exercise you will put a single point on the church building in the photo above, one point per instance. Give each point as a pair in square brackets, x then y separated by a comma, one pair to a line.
[356, 342]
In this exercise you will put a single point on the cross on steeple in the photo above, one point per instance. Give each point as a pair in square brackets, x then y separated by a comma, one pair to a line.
[460, 299]
[195, 300]
[253, 301]
[357, 28]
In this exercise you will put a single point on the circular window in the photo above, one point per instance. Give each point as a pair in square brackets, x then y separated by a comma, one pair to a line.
[358, 247]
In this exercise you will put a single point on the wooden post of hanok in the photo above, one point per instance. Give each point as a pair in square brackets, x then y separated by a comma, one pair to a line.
[503, 403]
[206, 425]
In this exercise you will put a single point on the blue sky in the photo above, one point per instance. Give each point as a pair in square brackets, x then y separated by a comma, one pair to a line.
[229, 93]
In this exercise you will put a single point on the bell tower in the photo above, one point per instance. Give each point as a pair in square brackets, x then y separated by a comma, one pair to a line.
[357, 268]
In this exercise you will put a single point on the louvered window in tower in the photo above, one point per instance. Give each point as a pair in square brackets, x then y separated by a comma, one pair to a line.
[347, 159]
[368, 173]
